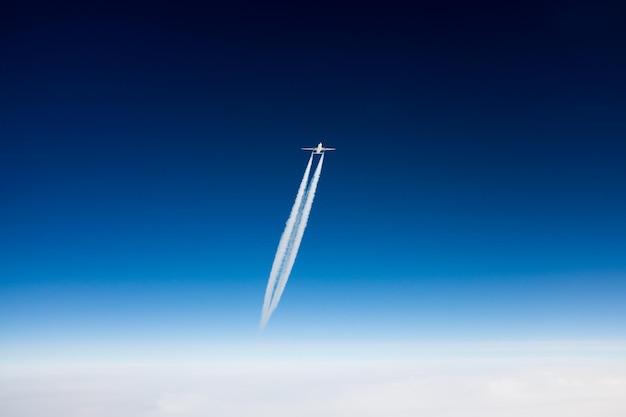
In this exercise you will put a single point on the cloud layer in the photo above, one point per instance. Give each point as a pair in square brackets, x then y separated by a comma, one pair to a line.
[368, 388]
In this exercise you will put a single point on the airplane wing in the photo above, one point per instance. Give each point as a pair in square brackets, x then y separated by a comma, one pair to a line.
[309, 149]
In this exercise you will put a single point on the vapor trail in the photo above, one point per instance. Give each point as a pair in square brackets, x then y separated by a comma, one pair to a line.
[294, 244]
[283, 244]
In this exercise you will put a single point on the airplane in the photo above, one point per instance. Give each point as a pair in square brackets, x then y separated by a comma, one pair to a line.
[319, 149]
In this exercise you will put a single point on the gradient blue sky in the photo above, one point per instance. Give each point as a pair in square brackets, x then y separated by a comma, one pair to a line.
[150, 156]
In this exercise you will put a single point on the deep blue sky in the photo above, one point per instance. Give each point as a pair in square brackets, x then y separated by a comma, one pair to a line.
[150, 156]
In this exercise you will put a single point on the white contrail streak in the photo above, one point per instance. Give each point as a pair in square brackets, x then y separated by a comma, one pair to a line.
[284, 244]
[294, 244]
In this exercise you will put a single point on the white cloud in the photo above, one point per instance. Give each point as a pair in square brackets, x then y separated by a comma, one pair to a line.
[364, 388]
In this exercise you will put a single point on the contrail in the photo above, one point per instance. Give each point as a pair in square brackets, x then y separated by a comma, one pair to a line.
[284, 244]
[294, 244]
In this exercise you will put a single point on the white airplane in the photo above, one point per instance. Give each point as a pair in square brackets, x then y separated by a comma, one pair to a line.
[319, 149]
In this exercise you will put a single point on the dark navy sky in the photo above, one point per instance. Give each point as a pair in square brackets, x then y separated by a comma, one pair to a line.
[150, 155]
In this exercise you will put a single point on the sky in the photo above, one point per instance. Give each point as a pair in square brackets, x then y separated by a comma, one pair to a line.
[150, 154]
